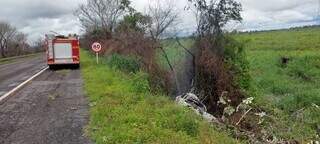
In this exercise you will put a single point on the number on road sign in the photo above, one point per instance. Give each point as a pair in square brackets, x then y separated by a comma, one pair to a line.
[96, 47]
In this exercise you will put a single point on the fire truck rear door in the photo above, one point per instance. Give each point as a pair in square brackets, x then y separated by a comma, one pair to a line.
[63, 52]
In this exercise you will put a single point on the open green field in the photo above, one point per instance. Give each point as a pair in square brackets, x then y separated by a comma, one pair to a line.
[289, 92]
[292, 86]
[122, 110]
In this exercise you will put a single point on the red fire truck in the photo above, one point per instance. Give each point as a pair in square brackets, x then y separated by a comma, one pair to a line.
[62, 50]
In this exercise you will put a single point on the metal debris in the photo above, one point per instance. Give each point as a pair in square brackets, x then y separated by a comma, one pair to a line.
[190, 100]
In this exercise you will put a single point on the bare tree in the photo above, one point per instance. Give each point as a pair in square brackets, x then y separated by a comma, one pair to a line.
[20, 43]
[38, 45]
[164, 16]
[97, 14]
[7, 32]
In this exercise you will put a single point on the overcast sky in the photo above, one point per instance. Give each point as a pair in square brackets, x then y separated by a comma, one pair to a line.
[37, 17]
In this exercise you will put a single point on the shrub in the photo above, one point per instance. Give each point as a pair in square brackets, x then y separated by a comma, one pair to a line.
[157, 78]
[236, 59]
[124, 63]
[226, 74]
[140, 82]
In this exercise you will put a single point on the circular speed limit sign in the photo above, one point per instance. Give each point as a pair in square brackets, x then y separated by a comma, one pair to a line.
[96, 47]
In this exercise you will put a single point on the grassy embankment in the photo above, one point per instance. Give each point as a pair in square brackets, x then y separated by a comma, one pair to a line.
[290, 92]
[122, 110]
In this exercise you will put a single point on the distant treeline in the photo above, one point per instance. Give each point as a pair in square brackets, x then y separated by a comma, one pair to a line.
[14, 43]
[292, 28]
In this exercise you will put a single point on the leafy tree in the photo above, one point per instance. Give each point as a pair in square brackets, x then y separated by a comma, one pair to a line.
[212, 16]
[135, 21]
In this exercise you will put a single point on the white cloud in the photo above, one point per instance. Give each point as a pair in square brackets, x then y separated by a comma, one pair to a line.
[290, 16]
[37, 28]
[273, 14]
[37, 17]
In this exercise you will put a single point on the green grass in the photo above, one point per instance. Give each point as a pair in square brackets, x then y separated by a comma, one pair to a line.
[289, 93]
[289, 87]
[174, 51]
[284, 40]
[122, 110]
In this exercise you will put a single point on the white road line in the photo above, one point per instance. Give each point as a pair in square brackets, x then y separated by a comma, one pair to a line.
[21, 85]
[13, 84]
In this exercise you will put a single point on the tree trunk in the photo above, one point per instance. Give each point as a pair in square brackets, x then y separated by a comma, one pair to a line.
[172, 69]
[3, 54]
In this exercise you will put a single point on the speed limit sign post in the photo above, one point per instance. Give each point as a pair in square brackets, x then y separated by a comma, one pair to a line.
[96, 47]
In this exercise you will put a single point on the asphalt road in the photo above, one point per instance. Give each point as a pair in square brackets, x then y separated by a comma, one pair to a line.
[12, 74]
[51, 109]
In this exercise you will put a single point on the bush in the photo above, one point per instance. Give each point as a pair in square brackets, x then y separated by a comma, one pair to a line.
[124, 63]
[140, 82]
[236, 58]
[218, 74]
[157, 80]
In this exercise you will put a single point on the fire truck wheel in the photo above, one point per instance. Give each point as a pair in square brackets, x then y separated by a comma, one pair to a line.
[76, 66]
[52, 67]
